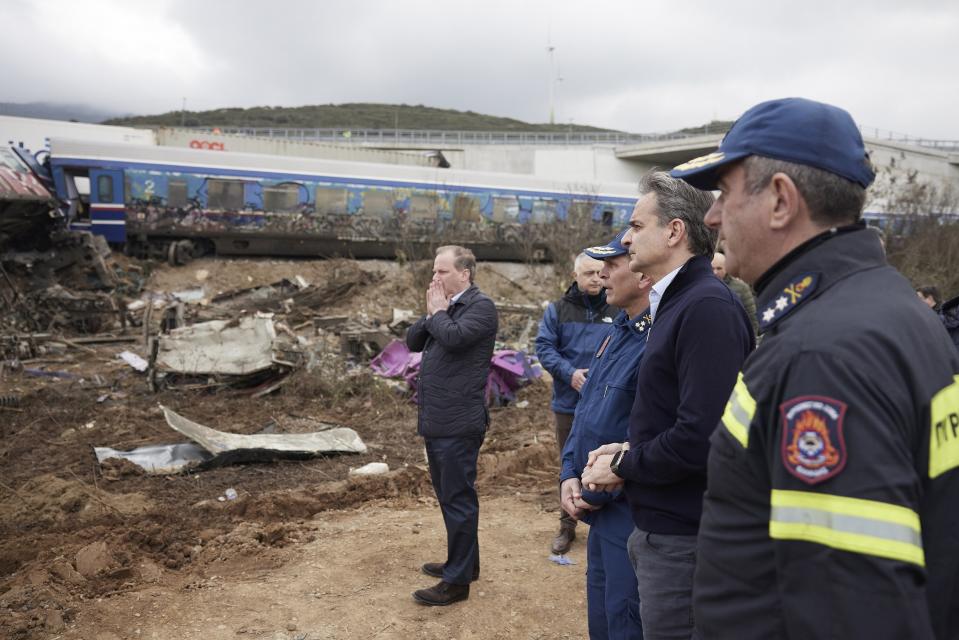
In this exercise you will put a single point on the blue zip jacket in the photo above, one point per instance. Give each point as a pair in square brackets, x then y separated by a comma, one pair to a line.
[569, 335]
[697, 345]
[602, 416]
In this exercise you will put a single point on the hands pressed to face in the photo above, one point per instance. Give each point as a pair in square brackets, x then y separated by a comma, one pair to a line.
[436, 299]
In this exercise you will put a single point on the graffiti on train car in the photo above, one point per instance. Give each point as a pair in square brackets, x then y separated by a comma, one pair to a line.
[175, 203]
[194, 204]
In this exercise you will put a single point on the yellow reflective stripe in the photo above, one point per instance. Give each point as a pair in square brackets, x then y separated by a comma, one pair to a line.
[739, 412]
[848, 524]
[944, 439]
[852, 506]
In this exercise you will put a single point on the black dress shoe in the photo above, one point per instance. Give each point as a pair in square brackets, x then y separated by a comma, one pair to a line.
[442, 594]
[435, 569]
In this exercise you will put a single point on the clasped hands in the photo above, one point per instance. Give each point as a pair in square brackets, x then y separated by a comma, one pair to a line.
[597, 476]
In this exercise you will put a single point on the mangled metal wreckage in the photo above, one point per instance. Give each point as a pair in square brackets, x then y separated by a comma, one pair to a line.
[242, 353]
[212, 448]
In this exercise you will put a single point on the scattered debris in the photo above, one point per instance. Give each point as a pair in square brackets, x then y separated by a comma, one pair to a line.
[68, 281]
[42, 373]
[562, 560]
[218, 347]
[10, 401]
[134, 360]
[244, 353]
[371, 469]
[509, 370]
[211, 448]
[159, 459]
[261, 446]
[190, 295]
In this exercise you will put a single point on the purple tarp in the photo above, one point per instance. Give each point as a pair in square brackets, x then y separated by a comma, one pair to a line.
[509, 370]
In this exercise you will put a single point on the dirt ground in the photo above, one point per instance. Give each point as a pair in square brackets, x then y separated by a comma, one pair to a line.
[305, 551]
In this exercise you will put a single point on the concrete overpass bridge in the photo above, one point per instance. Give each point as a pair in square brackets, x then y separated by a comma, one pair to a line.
[606, 156]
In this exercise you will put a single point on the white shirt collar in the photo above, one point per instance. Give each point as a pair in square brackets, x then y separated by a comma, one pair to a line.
[659, 289]
[457, 296]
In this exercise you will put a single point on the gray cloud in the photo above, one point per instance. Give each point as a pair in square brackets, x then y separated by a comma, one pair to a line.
[646, 66]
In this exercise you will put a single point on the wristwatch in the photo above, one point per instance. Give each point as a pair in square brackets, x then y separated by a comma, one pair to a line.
[617, 458]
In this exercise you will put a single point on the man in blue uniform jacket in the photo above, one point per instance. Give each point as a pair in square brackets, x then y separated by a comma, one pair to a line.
[569, 333]
[602, 416]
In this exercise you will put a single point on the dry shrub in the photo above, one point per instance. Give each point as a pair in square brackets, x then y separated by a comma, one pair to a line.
[335, 379]
[926, 250]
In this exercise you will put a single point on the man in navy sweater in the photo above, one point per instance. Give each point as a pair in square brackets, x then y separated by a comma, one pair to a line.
[700, 337]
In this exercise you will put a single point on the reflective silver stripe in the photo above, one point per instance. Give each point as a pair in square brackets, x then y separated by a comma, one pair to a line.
[848, 524]
[739, 411]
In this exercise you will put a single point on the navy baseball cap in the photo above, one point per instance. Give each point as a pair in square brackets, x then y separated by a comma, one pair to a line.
[611, 250]
[792, 130]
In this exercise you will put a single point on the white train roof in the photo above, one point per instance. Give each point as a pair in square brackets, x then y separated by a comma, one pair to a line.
[65, 150]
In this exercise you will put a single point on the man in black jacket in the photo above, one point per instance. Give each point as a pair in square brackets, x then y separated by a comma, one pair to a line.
[834, 471]
[456, 337]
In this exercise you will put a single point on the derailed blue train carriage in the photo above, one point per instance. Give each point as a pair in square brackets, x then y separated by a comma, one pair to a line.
[178, 203]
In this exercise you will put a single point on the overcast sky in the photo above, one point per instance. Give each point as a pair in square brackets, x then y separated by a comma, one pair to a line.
[633, 65]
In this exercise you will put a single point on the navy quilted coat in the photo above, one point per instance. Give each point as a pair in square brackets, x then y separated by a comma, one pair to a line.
[457, 346]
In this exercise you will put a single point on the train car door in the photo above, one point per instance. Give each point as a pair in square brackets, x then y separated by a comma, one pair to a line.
[107, 210]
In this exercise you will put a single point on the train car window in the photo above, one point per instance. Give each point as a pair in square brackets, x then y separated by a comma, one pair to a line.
[505, 208]
[423, 206]
[224, 194]
[607, 218]
[105, 189]
[543, 211]
[466, 209]
[331, 201]
[176, 193]
[378, 202]
[281, 197]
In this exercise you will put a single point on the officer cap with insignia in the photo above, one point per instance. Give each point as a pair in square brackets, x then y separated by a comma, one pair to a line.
[611, 250]
[793, 130]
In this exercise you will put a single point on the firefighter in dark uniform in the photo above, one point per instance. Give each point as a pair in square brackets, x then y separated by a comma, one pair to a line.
[832, 508]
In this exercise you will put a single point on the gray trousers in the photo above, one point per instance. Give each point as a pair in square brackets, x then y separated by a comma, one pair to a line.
[564, 424]
[664, 567]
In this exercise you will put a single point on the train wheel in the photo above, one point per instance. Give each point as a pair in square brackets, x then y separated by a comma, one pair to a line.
[180, 252]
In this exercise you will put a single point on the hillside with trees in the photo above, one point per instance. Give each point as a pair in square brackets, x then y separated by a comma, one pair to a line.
[345, 116]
